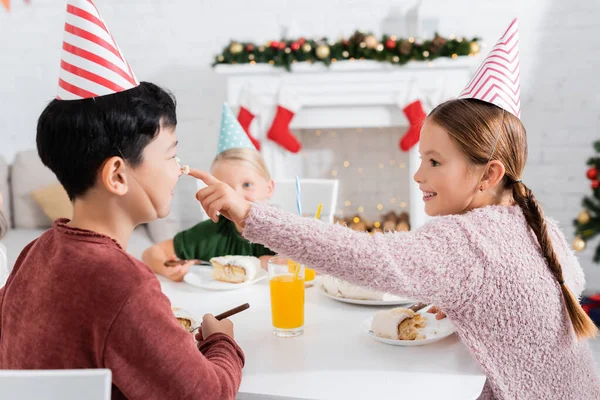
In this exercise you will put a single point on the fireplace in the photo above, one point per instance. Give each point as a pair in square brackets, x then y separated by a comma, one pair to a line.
[350, 123]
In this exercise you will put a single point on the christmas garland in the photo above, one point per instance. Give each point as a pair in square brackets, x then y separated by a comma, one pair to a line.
[359, 46]
[587, 224]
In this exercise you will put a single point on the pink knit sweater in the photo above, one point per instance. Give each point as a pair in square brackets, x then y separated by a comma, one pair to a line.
[483, 268]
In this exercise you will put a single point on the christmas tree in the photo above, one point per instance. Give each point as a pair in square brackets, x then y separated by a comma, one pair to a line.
[587, 224]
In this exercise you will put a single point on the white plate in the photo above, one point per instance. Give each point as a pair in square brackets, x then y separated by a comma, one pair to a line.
[201, 276]
[435, 330]
[398, 302]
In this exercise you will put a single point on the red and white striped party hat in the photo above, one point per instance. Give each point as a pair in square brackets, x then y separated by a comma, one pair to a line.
[92, 64]
[497, 80]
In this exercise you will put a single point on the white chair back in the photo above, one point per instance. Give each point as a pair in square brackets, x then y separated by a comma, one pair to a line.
[314, 191]
[3, 265]
[89, 384]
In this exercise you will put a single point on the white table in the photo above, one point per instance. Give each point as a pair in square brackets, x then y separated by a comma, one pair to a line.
[334, 359]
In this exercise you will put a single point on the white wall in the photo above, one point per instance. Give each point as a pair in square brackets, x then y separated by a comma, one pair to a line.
[173, 42]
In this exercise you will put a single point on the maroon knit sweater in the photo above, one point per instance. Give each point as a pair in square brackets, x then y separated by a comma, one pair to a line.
[76, 299]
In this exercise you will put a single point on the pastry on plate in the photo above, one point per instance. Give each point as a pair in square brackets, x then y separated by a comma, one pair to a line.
[184, 318]
[235, 269]
[340, 288]
[399, 324]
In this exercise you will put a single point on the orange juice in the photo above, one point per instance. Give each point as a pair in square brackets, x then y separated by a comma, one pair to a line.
[309, 274]
[287, 301]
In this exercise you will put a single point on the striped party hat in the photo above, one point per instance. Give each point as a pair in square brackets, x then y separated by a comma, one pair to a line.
[497, 80]
[91, 64]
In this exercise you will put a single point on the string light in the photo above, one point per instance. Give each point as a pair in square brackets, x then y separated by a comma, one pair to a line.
[393, 200]
[318, 132]
[379, 207]
[346, 164]
[402, 165]
[347, 203]
[377, 224]
[403, 204]
[455, 56]
[361, 209]
[411, 39]
[334, 173]
[333, 134]
[356, 220]
[392, 162]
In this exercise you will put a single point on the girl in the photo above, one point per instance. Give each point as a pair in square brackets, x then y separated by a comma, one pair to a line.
[502, 272]
[244, 170]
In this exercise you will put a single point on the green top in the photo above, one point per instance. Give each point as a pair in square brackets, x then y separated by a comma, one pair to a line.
[207, 239]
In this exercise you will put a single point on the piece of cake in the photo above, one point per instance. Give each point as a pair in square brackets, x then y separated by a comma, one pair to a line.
[235, 269]
[184, 318]
[340, 288]
[398, 324]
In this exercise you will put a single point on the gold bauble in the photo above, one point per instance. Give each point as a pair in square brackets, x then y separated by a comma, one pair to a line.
[584, 217]
[578, 244]
[474, 48]
[323, 51]
[220, 58]
[236, 48]
[306, 48]
[371, 41]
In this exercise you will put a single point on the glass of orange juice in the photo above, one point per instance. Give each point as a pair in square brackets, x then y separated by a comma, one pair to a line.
[287, 296]
[309, 276]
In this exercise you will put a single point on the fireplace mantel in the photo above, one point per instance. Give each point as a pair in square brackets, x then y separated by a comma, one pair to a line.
[348, 94]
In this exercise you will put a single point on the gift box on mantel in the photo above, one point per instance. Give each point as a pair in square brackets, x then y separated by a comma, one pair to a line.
[591, 305]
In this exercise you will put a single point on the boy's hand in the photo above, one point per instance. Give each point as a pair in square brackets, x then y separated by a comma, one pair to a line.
[176, 272]
[218, 197]
[210, 326]
[439, 314]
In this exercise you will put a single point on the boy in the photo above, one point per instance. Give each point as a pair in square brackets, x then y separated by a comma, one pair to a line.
[75, 298]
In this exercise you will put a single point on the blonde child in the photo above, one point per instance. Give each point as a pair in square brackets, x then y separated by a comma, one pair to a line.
[502, 272]
[243, 169]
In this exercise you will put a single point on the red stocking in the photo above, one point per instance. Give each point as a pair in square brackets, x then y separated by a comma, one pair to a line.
[416, 115]
[280, 127]
[248, 109]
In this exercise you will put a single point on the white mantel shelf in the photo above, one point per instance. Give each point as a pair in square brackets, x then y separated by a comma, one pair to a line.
[347, 94]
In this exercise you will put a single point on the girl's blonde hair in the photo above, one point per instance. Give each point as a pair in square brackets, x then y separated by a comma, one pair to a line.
[248, 155]
[485, 132]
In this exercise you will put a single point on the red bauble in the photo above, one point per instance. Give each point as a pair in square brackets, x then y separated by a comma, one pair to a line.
[295, 46]
[390, 43]
[274, 44]
[281, 45]
[301, 41]
[595, 184]
[592, 173]
[249, 47]
[346, 43]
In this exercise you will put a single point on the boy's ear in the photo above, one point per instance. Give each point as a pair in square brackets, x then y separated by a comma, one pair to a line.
[113, 176]
[271, 189]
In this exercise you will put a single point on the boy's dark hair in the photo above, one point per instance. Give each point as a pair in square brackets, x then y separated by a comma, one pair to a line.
[74, 137]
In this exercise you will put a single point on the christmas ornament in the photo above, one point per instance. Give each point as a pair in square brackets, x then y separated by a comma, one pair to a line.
[236, 48]
[578, 244]
[390, 44]
[250, 47]
[592, 173]
[371, 41]
[583, 217]
[306, 48]
[405, 47]
[295, 46]
[323, 51]
[595, 184]
[474, 47]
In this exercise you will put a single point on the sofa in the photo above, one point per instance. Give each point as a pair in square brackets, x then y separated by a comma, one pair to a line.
[27, 219]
